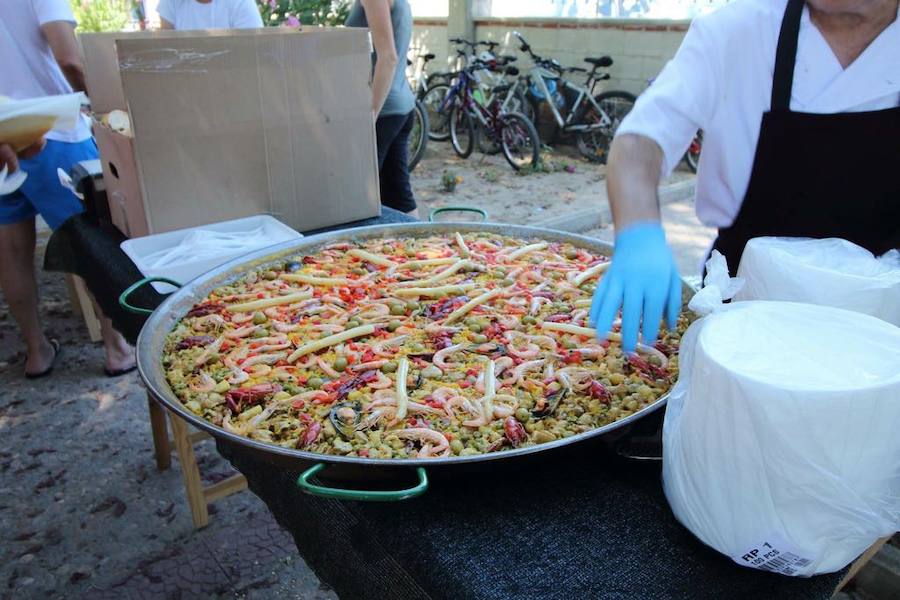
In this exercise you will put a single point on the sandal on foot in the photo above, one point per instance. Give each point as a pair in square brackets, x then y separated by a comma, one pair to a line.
[56, 350]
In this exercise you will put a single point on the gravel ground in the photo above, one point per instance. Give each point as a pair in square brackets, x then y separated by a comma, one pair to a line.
[84, 512]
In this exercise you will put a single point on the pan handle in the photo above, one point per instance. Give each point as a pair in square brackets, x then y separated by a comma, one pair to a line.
[123, 298]
[445, 209]
[365, 495]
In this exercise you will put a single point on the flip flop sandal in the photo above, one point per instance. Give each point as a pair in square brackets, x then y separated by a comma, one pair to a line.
[118, 372]
[56, 351]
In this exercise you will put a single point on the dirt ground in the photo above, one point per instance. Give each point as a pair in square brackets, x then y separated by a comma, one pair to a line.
[83, 511]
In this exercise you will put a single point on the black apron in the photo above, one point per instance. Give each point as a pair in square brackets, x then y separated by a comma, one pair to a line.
[818, 175]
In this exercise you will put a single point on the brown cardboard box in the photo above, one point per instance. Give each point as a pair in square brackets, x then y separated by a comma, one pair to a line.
[229, 124]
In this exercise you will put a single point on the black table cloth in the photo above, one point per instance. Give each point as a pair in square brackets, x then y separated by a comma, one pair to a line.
[588, 524]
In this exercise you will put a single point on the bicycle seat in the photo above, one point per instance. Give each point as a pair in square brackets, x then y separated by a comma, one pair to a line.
[513, 71]
[602, 61]
[427, 57]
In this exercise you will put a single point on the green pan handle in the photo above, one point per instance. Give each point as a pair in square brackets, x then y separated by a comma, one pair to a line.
[444, 209]
[123, 298]
[364, 495]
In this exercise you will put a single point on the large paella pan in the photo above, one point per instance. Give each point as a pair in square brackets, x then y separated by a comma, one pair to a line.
[419, 345]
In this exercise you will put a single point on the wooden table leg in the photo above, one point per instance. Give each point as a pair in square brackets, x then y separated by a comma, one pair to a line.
[861, 562]
[192, 484]
[161, 448]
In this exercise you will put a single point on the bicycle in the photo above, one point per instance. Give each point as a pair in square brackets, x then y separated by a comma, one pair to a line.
[418, 137]
[593, 119]
[485, 93]
[512, 132]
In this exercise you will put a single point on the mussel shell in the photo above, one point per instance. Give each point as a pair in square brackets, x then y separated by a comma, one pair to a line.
[553, 401]
[346, 430]
[292, 266]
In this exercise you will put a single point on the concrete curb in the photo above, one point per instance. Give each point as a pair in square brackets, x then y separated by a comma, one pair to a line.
[579, 220]
[586, 219]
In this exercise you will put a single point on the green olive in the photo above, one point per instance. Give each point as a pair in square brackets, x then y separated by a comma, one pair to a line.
[398, 309]
[314, 382]
[389, 367]
[259, 318]
[474, 326]
[340, 363]
[261, 333]
[507, 282]
[394, 326]
[270, 275]
[479, 338]
[571, 254]
[353, 323]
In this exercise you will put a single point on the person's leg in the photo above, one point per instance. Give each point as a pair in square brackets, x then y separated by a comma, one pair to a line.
[57, 204]
[17, 280]
[396, 192]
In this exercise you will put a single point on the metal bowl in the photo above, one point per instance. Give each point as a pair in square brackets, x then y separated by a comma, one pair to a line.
[153, 335]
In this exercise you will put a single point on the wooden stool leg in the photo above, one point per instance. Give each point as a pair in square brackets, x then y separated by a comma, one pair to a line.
[192, 485]
[81, 302]
[861, 562]
[161, 448]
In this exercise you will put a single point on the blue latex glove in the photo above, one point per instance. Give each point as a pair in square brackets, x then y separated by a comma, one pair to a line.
[643, 278]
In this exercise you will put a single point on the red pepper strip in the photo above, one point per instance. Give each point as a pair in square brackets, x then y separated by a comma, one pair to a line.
[558, 318]
[599, 391]
[201, 310]
[572, 357]
[311, 435]
[342, 387]
[514, 431]
[193, 341]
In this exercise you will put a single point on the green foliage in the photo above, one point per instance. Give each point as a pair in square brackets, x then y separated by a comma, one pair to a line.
[449, 181]
[101, 15]
[308, 12]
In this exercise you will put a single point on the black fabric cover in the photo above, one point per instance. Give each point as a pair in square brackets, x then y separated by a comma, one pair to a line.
[597, 526]
[90, 250]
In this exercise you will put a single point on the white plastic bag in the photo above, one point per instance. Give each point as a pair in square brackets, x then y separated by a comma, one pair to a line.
[780, 444]
[832, 272]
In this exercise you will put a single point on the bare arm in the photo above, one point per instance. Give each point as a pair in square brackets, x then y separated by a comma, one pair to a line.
[633, 175]
[163, 24]
[61, 37]
[378, 14]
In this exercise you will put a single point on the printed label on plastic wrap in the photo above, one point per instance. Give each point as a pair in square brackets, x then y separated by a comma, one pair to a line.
[775, 555]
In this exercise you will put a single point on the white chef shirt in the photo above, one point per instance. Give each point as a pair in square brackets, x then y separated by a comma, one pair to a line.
[27, 67]
[720, 81]
[218, 14]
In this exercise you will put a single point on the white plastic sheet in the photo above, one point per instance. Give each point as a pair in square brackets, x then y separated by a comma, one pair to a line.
[831, 272]
[781, 445]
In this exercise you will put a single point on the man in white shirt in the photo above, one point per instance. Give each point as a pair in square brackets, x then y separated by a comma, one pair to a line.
[41, 58]
[799, 103]
[209, 14]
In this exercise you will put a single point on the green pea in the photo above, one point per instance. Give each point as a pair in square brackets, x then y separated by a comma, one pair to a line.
[394, 326]
[387, 249]
[340, 363]
[353, 323]
[571, 254]
[412, 306]
[389, 367]
[358, 271]
[529, 320]
[270, 275]
[259, 318]
[261, 333]
[523, 415]
[398, 309]
[569, 344]
[479, 338]
[314, 382]
[507, 282]
[474, 326]
[456, 446]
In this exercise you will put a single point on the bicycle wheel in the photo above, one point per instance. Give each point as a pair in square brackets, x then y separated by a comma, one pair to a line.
[438, 119]
[418, 137]
[692, 156]
[462, 131]
[594, 143]
[520, 141]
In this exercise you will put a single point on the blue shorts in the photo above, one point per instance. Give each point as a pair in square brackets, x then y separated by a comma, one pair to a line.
[42, 193]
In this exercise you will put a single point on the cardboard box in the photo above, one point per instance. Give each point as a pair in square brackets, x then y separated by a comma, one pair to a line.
[229, 124]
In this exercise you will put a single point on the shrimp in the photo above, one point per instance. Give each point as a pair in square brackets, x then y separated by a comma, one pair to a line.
[434, 444]
[440, 355]
[208, 353]
[206, 384]
[241, 332]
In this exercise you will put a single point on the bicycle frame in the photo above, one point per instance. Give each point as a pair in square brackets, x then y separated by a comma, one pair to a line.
[538, 76]
[461, 89]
